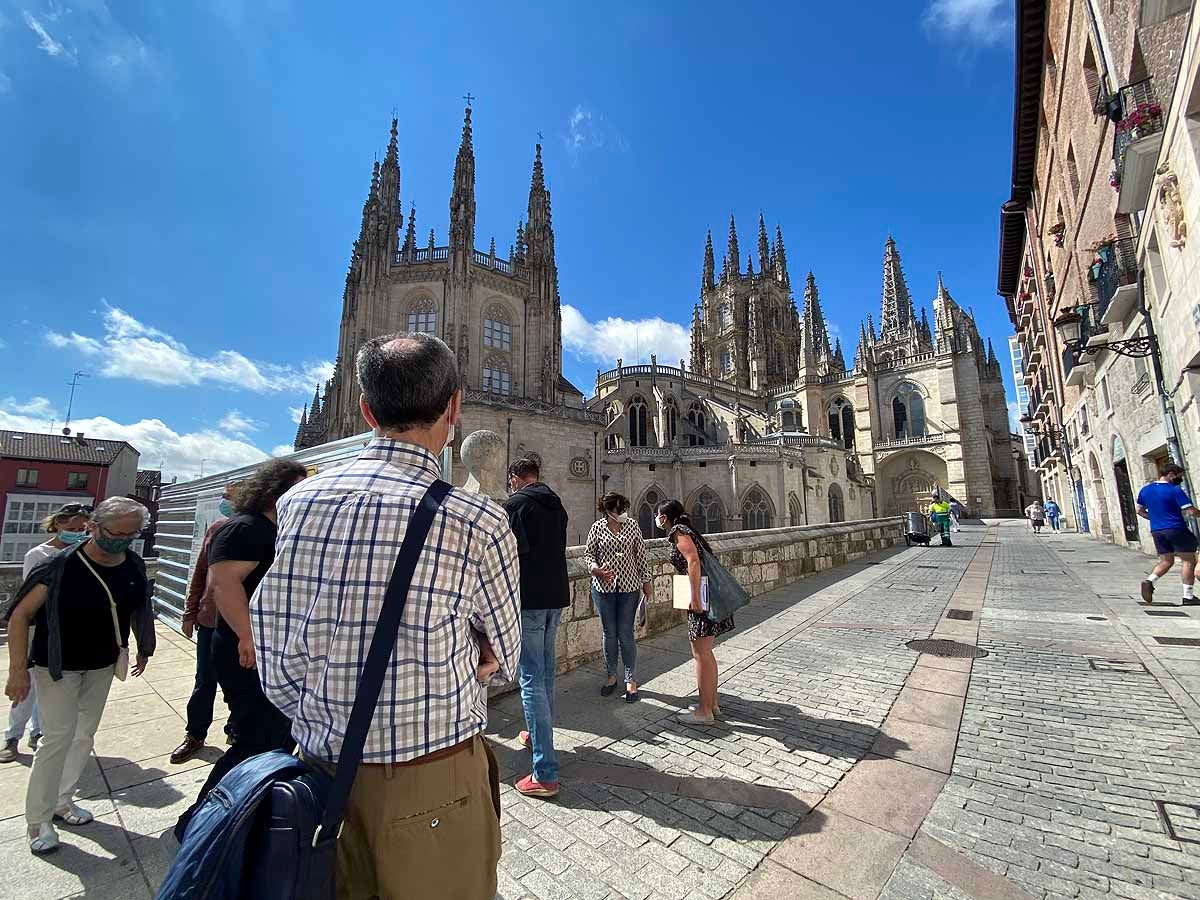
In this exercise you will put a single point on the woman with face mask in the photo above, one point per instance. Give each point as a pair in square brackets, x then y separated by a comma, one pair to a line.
[67, 527]
[85, 601]
[616, 557]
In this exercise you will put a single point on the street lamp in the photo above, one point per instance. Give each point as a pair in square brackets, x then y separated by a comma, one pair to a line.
[1070, 329]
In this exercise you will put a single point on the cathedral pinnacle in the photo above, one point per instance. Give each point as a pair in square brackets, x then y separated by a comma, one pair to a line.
[781, 271]
[462, 197]
[732, 254]
[897, 305]
[764, 246]
[708, 278]
[410, 235]
[749, 264]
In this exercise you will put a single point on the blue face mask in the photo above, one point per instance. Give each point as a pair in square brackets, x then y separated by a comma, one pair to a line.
[71, 538]
[225, 508]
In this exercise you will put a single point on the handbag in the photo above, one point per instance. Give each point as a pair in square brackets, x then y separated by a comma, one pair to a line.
[121, 669]
[725, 595]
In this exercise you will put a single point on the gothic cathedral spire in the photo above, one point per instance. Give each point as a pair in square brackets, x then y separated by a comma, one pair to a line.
[781, 271]
[708, 278]
[764, 247]
[897, 306]
[733, 256]
[462, 197]
[391, 216]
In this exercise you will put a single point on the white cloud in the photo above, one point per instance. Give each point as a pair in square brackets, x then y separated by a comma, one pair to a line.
[614, 338]
[180, 454]
[5, 82]
[1014, 415]
[296, 412]
[131, 349]
[588, 130]
[237, 423]
[981, 22]
[282, 449]
[46, 41]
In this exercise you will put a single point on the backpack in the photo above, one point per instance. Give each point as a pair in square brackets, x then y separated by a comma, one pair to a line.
[269, 829]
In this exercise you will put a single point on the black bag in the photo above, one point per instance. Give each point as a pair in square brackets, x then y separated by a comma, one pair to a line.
[287, 837]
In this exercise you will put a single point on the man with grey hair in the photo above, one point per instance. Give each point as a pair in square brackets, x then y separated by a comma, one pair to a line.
[84, 600]
[423, 815]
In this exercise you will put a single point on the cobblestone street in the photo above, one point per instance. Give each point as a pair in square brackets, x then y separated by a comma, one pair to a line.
[1064, 763]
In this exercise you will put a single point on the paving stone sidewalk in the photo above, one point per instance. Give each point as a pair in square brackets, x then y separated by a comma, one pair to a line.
[834, 772]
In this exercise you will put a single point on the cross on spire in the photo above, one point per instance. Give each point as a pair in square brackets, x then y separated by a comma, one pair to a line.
[468, 96]
[540, 138]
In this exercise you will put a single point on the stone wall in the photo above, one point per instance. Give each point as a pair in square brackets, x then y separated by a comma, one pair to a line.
[760, 560]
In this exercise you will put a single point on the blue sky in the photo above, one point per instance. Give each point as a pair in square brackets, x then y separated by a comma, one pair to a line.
[182, 182]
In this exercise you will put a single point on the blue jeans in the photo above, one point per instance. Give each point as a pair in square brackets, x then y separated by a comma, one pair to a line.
[617, 612]
[1053, 517]
[539, 628]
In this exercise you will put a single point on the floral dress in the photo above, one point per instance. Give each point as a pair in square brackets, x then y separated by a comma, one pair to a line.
[699, 625]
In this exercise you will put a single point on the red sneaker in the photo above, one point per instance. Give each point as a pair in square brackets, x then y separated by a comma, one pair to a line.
[531, 788]
[525, 740]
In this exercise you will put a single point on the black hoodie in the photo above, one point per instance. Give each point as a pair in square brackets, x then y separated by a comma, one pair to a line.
[539, 522]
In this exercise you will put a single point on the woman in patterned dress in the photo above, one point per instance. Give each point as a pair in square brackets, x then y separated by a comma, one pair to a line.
[685, 557]
[616, 557]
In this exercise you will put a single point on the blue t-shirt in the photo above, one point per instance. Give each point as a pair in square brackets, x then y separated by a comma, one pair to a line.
[1164, 502]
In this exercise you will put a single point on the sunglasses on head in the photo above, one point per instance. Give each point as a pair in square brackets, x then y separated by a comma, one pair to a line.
[75, 509]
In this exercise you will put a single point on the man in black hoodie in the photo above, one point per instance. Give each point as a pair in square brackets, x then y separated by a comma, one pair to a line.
[539, 522]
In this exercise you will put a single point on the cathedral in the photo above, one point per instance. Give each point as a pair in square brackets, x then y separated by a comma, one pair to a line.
[766, 426]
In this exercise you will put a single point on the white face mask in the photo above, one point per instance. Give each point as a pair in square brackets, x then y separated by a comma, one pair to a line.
[621, 519]
[661, 523]
[449, 436]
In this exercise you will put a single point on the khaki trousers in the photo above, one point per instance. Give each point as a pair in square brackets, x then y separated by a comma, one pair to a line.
[422, 831]
[71, 709]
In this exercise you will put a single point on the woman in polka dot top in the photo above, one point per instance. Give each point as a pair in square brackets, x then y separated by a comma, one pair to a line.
[616, 557]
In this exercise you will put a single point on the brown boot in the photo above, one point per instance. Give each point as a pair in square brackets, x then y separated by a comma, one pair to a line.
[186, 750]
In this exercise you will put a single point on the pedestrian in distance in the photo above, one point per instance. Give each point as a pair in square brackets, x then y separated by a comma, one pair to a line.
[539, 524]
[616, 557]
[83, 602]
[240, 554]
[1037, 516]
[702, 632]
[423, 815]
[956, 513]
[939, 513]
[1053, 513]
[66, 527]
[200, 619]
[1165, 504]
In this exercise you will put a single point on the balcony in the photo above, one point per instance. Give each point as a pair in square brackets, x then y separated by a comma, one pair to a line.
[1077, 372]
[1139, 135]
[1113, 272]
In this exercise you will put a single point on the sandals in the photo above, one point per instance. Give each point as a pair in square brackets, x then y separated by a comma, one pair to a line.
[691, 717]
[72, 815]
[44, 841]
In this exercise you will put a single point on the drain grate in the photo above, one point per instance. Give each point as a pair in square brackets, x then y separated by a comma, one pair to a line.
[1178, 642]
[1166, 612]
[1097, 619]
[1124, 666]
[1041, 572]
[948, 649]
[1180, 820]
[965, 614]
[928, 567]
[918, 588]
[1103, 562]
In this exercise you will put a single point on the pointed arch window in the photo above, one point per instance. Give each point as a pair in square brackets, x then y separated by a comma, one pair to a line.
[841, 422]
[789, 416]
[795, 511]
[671, 415]
[422, 318]
[497, 329]
[727, 361]
[699, 421]
[637, 422]
[647, 513]
[908, 412]
[725, 314]
[837, 504]
[708, 513]
[756, 510]
[497, 379]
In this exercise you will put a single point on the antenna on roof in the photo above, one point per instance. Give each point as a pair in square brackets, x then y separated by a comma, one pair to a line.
[71, 402]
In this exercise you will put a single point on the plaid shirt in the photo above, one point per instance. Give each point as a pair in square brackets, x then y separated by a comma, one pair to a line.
[315, 612]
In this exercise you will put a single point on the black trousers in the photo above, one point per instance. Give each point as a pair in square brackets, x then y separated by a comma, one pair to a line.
[204, 694]
[258, 727]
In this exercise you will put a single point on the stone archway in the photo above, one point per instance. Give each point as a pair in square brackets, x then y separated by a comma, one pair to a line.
[908, 479]
[1103, 522]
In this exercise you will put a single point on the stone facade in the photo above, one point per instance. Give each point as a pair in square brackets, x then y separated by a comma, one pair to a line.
[1114, 108]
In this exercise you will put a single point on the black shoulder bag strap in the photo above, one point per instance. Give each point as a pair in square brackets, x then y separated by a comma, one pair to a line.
[383, 643]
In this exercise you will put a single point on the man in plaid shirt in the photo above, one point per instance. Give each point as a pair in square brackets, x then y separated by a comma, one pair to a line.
[421, 820]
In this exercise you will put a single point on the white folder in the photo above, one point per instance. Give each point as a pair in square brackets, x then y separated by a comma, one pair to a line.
[681, 591]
